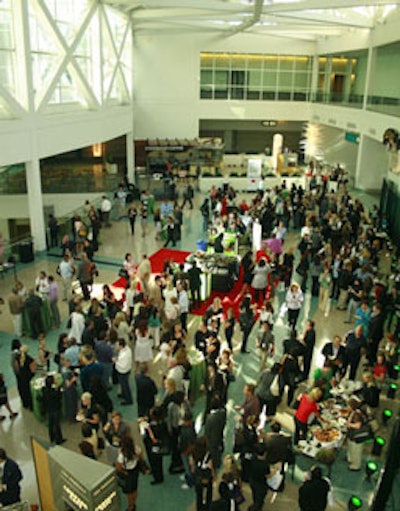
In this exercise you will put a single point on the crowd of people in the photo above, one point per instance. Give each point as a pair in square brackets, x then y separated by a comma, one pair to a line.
[340, 253]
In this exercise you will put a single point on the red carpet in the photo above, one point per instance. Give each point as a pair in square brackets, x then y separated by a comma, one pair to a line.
[158, 258]
[229, 299]
[157, 262]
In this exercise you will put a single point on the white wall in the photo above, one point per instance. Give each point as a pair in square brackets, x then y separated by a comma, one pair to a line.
[373, 164]
[167, 83]
[352, 119]
[41, 136]
[336, 149]
[16, 206]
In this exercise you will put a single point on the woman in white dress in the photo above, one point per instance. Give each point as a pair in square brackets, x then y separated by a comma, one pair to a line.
[169, 292]
[143, 346]
[77, 321]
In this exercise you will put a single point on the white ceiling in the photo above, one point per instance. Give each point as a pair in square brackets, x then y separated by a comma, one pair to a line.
[301, 19]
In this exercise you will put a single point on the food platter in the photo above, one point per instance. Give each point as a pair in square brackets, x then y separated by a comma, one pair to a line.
[327, 436]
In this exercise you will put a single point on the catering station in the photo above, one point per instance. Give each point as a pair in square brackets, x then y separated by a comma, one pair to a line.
[219, 271]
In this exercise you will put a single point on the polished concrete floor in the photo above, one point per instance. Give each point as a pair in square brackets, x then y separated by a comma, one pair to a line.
[115, 242]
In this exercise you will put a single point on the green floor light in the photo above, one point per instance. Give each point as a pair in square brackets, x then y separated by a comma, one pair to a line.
[386, 416]
[391, 393]
[379, 444]
[354, 504]
[370, 469]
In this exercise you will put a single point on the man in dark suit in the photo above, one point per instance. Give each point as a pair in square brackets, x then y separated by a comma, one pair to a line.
[356, 344]
[375, 332]
[277, 444]
[146, 391]
[10, 476]
[309, 344]
[335, 353]
[214, 431]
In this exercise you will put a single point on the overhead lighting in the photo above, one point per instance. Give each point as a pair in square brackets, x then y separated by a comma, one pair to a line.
[269, 123]
[97, 150]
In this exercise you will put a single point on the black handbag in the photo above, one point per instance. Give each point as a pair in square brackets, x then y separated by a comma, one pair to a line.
[361, 435]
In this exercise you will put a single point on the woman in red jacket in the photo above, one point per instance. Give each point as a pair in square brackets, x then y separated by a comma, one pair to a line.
[308, 409]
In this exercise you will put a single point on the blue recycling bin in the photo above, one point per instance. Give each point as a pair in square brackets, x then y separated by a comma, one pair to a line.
[202, 245]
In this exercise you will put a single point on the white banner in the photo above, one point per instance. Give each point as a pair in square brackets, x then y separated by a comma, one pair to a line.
[254, 175]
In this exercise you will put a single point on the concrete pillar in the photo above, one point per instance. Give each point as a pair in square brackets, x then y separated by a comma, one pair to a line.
[369, 75]
[327, 84]
[277, 145]
[130, 157]
[229, 140]
[35, 204]
[347, 81]
[314, 77]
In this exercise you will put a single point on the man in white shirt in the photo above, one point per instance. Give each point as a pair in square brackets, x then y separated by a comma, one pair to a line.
[66, 270]
[123, 366]
[42, 285]
[183, 300]
[105, 208]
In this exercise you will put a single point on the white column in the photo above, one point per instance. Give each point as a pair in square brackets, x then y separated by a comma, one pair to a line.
[358, 171]
[314, 77]
[369, 75]
[130, 157]
[327, 84]
[35, 204]
[277, 144]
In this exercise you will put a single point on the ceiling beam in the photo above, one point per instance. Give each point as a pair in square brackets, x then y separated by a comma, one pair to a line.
[322, 6]
[150, 14]
[258, 8]
[324, 18]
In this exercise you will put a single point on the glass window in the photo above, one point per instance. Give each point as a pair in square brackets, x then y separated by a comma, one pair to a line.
[255, 61]
[255, 80]
[302, 64]
[271, 62]
[322, 64]
[285, 81]
[238, 61]
[340, 65]
[286, 63]
[206, 60]
[206, 77]
[221, 80]
[255, 76]
[269, 79]
[302, 81]
[222, 60]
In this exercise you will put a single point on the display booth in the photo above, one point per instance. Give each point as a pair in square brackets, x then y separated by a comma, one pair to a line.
[69, 481]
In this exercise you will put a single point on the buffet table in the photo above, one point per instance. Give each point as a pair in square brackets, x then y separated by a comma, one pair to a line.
[45, 315]
[37, 384]
[219, 271]
[324, 441]
[197, 373]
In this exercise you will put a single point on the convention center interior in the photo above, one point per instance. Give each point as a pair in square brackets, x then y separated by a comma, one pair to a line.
[199, 255]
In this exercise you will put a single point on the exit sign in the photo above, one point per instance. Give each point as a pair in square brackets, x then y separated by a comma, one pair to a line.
[352, 137]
